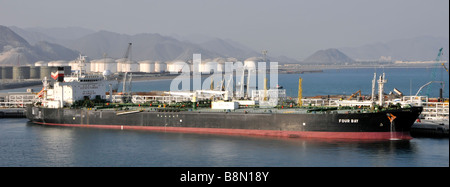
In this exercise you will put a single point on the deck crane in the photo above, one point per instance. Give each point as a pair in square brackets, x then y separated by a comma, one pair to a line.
[354, 94]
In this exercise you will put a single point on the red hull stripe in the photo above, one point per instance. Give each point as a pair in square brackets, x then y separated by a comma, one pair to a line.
[251, 132]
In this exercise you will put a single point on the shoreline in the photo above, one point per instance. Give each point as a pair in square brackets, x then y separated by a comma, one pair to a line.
[283, 69]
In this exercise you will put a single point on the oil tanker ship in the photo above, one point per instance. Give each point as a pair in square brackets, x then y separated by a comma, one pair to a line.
[57, 107]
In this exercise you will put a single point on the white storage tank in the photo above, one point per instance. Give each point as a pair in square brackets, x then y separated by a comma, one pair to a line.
[58, 63]
[207, 66]
[221, 63]
[94, 65]
[147, 66]
[176, 66]
[252, 62]
[120, 64]
[110, 64]
[160, 67]
[128, 66]
[231, 59]
[125, 65]
[74, 65]
[41, 63]
[100, 65]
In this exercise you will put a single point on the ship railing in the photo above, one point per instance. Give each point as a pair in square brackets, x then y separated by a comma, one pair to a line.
[435, 110]
[140, 99]
[14, 100]
[431, 110]
[334, 102]
[315, 102]
[163, 99]
[415, 100]
[14, 104]
[256, 111]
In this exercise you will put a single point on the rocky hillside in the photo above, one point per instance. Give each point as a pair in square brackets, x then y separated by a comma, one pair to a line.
[15, 50]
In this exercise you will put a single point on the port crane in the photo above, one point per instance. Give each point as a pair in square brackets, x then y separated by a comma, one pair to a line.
[443, 65]
[126, 89]
[433, 74]
[127, 54]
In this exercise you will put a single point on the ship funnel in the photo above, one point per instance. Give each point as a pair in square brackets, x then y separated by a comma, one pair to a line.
[58, 75]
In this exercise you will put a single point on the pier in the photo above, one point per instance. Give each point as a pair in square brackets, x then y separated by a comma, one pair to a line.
[12, 113]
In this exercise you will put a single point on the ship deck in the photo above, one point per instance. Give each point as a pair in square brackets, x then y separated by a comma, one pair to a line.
[246, 110]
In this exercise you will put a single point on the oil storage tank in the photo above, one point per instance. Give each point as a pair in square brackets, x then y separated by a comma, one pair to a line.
[21, 72]
[251, 63]
[35, 72]
[160, 67]
[101, 65]
[110, 64]
[45, 72]
[176, 66]
[58, 63]
[7, 72]
[41, 63]
[207, 66]
[147, 66]
[128, 66]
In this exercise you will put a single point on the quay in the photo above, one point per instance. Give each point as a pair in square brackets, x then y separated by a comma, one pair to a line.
[429, 128]
[12, 113]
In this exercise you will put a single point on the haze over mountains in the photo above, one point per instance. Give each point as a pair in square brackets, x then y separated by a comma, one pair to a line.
[14, 50]
[146, 46]
[422, 48]
[47, 44]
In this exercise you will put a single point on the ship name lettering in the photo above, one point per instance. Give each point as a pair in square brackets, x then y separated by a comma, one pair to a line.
[348, 120]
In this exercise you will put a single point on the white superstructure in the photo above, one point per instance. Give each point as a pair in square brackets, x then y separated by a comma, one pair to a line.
[78, 86]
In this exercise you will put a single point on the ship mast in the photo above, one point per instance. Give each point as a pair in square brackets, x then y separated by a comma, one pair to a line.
[81, 64]
[374, 80]
[381, 83]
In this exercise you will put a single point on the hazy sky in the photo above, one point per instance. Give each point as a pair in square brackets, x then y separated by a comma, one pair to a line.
[294, 28]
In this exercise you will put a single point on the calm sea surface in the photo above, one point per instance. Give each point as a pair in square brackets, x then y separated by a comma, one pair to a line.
[26, 144]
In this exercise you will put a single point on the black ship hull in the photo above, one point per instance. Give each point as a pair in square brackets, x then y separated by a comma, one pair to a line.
[390, 124]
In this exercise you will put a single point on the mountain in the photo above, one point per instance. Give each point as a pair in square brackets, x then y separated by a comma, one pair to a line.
[422, 48]
[144, 46]
[11, 39]
[328, 56]
[229, 48]
[53, 35]
[16, 50]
